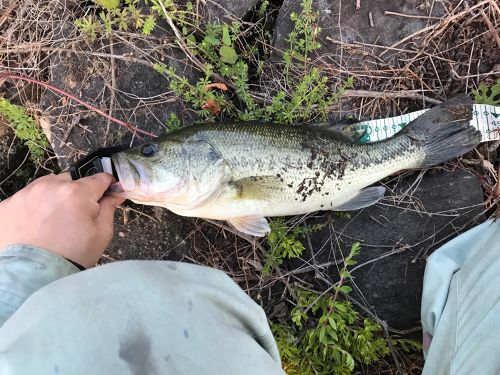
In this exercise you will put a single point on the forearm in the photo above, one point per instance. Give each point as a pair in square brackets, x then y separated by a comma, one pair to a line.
[24, 270]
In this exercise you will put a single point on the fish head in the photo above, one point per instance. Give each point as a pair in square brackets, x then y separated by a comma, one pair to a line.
[151, 173]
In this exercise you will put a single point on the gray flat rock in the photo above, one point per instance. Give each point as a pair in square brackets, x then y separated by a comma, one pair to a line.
[142, 96]
[392, 234]
[225, 10]
[341, 21]
[149, 233]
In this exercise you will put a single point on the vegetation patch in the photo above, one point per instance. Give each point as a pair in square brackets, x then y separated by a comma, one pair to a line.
[26, 129]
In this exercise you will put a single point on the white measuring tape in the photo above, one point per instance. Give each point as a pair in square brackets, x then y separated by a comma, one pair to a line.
[485, 118]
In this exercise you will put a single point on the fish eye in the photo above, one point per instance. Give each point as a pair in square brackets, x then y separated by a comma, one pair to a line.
[148, 149]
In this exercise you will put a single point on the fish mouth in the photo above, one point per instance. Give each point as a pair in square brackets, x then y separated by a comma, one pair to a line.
[116, 189]
[131, 177]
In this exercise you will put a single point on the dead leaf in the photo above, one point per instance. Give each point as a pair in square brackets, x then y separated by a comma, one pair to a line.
[44, 123]
[70, 82]
[488, 166]
[158, 213]
[255, 264]
[212, 106]
[220, 86]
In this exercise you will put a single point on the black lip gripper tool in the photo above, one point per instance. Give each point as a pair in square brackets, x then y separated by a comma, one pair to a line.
[96, 162]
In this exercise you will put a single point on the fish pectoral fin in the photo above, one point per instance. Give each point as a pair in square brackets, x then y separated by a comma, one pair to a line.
[252, 225]
[258, 187]
[365, 197]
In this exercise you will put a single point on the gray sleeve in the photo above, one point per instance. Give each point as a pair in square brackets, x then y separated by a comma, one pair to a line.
[25, 269]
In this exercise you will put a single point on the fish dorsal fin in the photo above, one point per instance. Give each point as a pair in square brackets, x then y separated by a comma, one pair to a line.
[258, 187]
[365, 197]
[343, 130]
[252, 225]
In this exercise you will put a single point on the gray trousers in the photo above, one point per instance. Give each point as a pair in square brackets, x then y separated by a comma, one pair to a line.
[461, 304]
[129, 317]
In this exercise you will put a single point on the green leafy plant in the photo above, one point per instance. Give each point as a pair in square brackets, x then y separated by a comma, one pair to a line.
[262, 9]
[89, 27]
[149, 25]
[113, 17]
[172, 123]
[25, 129]
[328, 336]
[487, 95]
[283, 244]
[108, 4]
[306, 94]
[205, 101]
[303, 37]
[182, 15]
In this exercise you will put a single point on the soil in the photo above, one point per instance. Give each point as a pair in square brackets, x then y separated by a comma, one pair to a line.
[12, 154]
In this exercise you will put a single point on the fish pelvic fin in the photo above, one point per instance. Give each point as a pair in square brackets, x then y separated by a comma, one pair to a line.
[444, 132]
[252, 225]
[365, 197]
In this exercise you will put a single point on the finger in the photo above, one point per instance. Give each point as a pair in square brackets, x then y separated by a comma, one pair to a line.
[107, 207]
[96, 185]
[51, 178]
[117, 200]
[64, 177]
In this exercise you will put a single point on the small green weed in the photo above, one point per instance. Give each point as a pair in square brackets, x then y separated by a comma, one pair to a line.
[305, 92]
[327, 336]
[487, 95]
[283, 244]
[114, 17]
[263, 7]
[172, 123]
[208, 102]
[25, 129]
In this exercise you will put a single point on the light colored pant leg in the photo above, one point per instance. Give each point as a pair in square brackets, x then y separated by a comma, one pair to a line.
[461, 304]
[139, 318]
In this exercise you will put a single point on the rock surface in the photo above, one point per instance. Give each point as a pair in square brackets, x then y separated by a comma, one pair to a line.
[140, 95]
[443, 205]
[341, 21]
[226, 11]
[12, 151]
[149, 233]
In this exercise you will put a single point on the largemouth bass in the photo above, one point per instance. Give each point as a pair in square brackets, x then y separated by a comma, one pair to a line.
[244, 172]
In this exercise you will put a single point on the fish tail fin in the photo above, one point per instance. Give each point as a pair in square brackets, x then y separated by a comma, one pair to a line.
[444, 132]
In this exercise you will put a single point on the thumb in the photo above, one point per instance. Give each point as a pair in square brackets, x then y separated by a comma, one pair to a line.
[107, 207]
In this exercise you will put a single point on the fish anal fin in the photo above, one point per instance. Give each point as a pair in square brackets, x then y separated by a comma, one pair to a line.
[365, 197]
[252, 225]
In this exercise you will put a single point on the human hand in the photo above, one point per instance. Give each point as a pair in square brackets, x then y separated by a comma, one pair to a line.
[69, 218]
